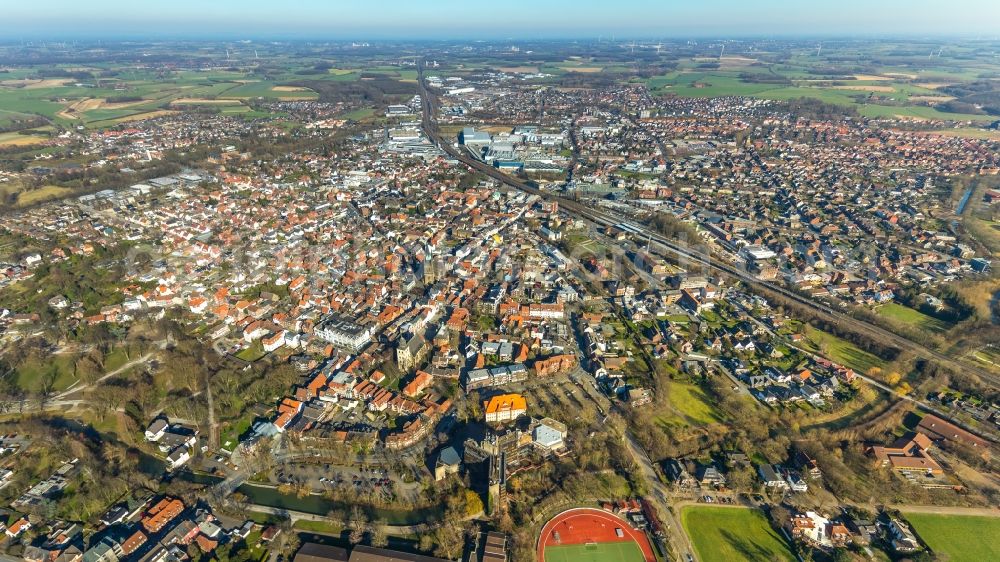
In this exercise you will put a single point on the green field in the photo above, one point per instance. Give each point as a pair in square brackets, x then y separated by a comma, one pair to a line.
[59, 369]
[266, 90]
[603, 552]
[913, 317]
[691, 405]
[961, 538]
[725, 533]
[359, 114]
[843, 351]
[715, 83]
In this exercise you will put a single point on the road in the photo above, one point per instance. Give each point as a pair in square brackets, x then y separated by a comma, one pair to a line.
[659, 494]
[684, 253]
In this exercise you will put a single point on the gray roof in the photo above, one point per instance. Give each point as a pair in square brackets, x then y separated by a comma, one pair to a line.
[449, 457]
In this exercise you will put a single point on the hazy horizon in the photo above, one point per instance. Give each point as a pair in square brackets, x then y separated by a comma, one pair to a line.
[517, 19]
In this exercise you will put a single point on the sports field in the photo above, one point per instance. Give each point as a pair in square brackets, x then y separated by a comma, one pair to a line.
[729, 533]
[592, 535]
[604, 552]
[960, 538]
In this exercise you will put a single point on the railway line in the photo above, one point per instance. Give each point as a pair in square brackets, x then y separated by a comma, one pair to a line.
[678, 251]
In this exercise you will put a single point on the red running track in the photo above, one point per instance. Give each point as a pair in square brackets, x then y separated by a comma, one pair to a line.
[584, 525]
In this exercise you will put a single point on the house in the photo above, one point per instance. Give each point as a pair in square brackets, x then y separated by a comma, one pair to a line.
[709, 475]
[419, 383]
[17, 528]
[133, 543]
[806, 464]
[161, 513]
[107, 550]
[448, 462]
[177, 436]
[770, 477]
[115, 515]
[273, 341]
[902, 537]
[177, 457]
[679, 473]
[156, 429]
[795, 482]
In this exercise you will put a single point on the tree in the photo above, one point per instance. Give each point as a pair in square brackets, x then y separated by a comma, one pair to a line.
[359, 524]
[741, 478]
[473, 503]
[449, 539]
[379, 537]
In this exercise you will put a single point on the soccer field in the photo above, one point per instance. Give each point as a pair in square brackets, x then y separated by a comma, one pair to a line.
[603, 552]
[725, 533]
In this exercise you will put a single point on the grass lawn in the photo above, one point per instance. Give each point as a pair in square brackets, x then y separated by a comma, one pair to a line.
[603, 552]
[913, 317]
[324, 527]
[962, 538]
[691, 402]
[724, 533]
[234, 429]
[62, 367]
[252, 353]
[115, 360]
[843, 351]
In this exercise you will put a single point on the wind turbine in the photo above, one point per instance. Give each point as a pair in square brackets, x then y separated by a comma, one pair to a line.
[227, 54]
[819, 49]
[723, 51]
[255, 54]
[658, 47]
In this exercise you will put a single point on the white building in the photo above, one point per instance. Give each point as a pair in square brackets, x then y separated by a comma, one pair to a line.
[345, 334]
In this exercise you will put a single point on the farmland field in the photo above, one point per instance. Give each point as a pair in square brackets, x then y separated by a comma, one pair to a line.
[267, 90]
[714, 83]
[725, 533]
[16, 139]
[960, 538]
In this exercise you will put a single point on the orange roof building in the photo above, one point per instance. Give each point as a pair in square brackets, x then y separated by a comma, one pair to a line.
[162, 513]
[505, 407]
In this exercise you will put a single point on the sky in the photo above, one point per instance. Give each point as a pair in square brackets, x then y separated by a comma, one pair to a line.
[471, 19]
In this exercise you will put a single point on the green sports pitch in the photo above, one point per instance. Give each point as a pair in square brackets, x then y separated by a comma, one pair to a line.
[601, 552]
